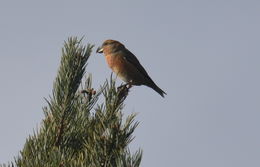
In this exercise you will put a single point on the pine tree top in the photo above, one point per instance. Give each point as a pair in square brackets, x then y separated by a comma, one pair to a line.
[78, 129]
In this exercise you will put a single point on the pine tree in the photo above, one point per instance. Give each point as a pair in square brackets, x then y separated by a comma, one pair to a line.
[77, 130]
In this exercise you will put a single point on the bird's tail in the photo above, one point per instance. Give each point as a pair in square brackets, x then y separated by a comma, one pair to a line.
[157, 89]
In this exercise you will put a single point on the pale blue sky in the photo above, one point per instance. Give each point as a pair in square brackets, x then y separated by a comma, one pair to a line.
[204, 54]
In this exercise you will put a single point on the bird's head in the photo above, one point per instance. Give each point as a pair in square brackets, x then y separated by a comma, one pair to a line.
[110, 46]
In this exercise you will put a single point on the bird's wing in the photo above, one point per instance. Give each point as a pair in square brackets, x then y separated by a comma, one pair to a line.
[130, 57]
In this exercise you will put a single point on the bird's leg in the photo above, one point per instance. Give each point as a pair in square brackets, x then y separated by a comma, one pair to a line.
[129, 84]
[126, 86]
[123, 91]
[122, 86]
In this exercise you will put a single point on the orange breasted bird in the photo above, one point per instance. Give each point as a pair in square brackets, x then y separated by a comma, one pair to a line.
[126, 65]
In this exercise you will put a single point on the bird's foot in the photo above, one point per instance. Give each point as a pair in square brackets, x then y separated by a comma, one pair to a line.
[125, 86]
[122, 86]
[129, 85]
[123, 91]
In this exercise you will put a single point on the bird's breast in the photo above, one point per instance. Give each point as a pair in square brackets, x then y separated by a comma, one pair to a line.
[118, 65]
[115, 63]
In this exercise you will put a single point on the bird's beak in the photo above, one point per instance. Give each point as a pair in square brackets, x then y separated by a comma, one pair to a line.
[99, 50]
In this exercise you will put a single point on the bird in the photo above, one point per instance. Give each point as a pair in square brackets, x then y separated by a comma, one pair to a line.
[126, 66]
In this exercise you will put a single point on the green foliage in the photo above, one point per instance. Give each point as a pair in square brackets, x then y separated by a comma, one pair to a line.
[76, 131]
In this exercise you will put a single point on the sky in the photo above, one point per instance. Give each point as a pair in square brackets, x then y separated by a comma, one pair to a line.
[204, 54]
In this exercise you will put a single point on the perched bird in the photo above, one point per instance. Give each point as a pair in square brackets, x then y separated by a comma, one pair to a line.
[126, 65]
